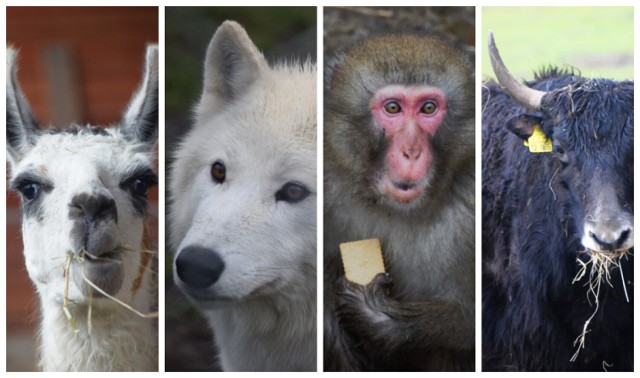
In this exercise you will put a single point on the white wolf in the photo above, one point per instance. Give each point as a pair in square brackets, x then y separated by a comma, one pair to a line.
[243, 207]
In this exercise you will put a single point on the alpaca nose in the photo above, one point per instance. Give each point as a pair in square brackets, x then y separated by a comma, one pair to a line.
[199, 267]
[94, 208]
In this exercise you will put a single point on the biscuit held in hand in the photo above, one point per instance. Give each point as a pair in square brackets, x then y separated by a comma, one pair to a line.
[362, 260]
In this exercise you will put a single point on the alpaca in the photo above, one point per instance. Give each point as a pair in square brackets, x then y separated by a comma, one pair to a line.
[84, 198]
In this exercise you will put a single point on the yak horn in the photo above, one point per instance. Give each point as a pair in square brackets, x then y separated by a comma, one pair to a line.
[525, 96]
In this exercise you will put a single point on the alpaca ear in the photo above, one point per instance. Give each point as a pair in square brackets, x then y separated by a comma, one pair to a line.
[140, 121]
[22, 127]
[232, 64]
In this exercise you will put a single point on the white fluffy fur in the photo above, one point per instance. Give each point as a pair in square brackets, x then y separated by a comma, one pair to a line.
[266, 135]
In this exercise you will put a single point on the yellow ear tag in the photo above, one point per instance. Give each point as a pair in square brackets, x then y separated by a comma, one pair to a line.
[538, 142]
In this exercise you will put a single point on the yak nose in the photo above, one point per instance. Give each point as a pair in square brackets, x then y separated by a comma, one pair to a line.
[199, 267]
[609, 236]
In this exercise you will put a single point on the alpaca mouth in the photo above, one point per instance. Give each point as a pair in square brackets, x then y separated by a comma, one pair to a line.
[104, 270]
[107, 257]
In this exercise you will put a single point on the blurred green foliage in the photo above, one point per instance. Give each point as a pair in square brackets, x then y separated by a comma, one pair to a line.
[598, 41]
[189, 29]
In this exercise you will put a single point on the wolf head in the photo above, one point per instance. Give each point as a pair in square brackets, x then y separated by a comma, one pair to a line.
[243, 186]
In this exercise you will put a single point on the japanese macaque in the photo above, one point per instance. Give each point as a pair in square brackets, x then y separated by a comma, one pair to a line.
[399, 166]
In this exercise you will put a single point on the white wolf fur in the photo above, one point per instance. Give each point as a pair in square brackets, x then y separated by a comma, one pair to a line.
[261, 122]
[86, 161]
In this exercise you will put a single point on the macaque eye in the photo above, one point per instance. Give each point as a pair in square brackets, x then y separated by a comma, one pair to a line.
[429, 107]
[392, 107]
[292, 192]
[218, 172]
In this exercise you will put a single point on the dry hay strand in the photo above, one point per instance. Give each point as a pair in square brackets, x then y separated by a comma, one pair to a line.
[80, 257]
[599, 267]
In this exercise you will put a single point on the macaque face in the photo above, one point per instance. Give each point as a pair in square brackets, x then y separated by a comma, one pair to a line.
[408, 116]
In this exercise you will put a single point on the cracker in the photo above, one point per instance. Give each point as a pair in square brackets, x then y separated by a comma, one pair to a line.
[362, 260]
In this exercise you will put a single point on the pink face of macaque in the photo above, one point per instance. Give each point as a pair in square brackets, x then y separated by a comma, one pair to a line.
[409, 116]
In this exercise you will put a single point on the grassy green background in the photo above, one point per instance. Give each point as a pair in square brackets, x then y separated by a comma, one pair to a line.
[596, 40]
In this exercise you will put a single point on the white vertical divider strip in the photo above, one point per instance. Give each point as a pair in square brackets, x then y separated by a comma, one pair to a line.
[161, 193]
[320, 197]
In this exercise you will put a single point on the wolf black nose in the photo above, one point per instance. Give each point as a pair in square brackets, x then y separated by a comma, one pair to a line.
[199, 267]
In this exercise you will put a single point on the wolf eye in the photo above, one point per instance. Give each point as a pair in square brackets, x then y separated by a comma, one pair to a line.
[392, 107]
[429, 107]
[218, 172]
[292, 192]
[29, 190]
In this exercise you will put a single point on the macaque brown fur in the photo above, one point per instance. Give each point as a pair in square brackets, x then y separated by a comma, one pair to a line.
[420, 315]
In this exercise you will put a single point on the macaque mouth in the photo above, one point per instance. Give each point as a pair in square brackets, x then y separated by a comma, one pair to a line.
[405, 185]
[403, 191]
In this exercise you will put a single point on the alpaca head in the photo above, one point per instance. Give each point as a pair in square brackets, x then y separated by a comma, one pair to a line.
[84, 192]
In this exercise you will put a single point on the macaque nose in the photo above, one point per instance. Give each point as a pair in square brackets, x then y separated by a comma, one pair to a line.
[411, 153]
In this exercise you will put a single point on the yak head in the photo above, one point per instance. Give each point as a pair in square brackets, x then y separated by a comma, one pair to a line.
[590, 124]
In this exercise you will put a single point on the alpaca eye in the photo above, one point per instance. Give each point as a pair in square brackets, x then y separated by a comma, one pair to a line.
[429, 107]
[292, 192]
[140, 187]
[218, 172]
[392, 107]
[140, 183]
[29, 190]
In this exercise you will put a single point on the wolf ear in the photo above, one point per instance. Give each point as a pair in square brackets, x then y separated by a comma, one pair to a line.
[232, 64]
[140, 120]
[22, 127]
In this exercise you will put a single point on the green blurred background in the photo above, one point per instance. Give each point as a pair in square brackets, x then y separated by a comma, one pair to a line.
[596, 40]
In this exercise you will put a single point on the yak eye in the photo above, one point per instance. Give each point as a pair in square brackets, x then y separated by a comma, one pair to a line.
[561, 153]
[392, 107]
[29, 190]
[429, 107]
[218, 172]
[292, 192]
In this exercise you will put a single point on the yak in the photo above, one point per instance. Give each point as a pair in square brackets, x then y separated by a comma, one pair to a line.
[557, 222]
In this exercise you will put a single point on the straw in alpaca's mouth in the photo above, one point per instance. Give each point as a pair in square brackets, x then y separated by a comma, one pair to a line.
[84, 259]
[599, 266]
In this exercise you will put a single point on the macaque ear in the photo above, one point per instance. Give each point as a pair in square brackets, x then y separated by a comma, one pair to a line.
[332, 69]
[522, 125]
